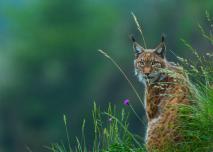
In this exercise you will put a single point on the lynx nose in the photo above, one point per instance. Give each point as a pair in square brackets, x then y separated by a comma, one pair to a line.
[146, 71]
[147, 74]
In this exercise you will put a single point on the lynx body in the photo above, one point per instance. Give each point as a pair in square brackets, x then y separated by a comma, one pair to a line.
[166, 88]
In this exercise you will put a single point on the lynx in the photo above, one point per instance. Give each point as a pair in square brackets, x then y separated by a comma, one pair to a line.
[166, 87]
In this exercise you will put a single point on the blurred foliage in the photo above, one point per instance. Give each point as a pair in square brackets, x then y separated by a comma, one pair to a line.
[50, 65]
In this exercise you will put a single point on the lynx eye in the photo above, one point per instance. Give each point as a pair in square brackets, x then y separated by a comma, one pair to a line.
[142, 63]
[156, 64]
[153, 63]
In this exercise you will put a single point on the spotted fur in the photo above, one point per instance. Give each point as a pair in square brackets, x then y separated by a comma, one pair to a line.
[166, 88]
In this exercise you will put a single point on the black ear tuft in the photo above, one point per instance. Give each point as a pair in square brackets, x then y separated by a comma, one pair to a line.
[160, 49]
[132, 38]
[162, 38]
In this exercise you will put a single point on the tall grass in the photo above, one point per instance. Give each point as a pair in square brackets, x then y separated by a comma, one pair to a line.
[196, 120]
[195, 125]
[111, 134]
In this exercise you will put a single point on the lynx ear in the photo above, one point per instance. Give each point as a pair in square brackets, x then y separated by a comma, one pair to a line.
[137, 48]
[160, 49]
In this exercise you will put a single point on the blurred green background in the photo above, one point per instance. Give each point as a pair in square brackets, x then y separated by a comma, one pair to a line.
[50, 65]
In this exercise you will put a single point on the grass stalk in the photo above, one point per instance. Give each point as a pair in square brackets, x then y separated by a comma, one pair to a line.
[67, 133]
[123, 73]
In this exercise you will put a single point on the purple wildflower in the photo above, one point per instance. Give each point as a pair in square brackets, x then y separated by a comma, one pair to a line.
[126, 102]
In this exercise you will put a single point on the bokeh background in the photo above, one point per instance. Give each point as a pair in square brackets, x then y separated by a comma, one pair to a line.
[49, 64]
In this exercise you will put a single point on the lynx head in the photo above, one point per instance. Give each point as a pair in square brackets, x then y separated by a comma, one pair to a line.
[148, 62]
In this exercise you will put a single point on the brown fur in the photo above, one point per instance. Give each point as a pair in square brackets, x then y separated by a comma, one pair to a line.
[162, 98]
[162, 104]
